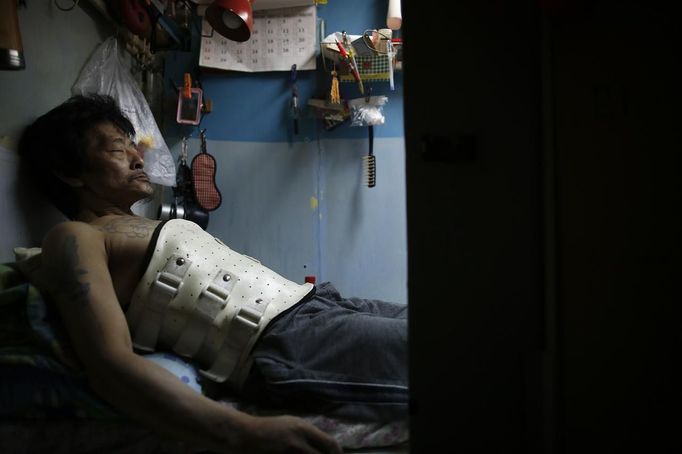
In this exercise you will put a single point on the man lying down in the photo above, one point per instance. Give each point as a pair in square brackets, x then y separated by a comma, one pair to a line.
[125, 284]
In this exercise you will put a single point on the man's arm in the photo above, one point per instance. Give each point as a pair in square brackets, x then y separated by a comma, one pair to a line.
[79, 280]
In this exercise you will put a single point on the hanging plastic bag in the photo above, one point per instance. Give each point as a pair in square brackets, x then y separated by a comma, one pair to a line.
[368, 111]
[107, 74]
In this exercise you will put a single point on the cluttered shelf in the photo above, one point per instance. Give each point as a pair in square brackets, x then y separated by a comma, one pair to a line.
[372, 56]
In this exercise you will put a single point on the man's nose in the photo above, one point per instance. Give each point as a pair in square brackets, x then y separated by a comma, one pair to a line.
[136, 159]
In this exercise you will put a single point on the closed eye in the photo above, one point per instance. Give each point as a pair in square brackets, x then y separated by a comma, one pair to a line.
[119, 145]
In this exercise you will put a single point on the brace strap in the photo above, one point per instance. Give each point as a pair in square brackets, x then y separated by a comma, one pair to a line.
[241, 329]
[212, 300]
[163, 290]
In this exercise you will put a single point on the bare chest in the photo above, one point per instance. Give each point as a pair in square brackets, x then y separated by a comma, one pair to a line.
[127, 241]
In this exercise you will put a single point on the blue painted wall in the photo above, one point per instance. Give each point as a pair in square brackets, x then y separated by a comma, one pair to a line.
[299, 203]
[303, 209]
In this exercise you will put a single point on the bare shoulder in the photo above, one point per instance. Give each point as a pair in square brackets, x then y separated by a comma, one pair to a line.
[68, 243]
[70, 227]
[63, 248]
[70, 232]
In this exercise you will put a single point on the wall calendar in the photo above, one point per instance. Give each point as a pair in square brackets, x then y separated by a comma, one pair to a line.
[280, 38]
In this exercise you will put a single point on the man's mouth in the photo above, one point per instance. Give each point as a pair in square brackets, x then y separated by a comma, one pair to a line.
[139, 176]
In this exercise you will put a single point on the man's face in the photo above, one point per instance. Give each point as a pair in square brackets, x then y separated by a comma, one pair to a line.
[114, 169]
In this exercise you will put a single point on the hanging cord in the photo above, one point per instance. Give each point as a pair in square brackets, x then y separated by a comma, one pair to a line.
[183, 151]
[202, 111]
[293, 104]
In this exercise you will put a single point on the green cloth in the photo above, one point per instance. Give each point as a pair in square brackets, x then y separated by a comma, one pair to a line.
[27, 335]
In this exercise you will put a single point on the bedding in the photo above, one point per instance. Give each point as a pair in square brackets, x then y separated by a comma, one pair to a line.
[46, 405]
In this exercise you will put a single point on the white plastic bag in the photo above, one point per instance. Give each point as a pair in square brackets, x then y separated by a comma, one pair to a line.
[107, 74]
[367, 111]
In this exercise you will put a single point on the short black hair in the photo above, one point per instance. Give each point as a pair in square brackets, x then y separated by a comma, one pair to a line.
[57, 143]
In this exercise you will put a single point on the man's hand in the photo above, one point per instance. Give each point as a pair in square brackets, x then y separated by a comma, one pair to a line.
[283, 434]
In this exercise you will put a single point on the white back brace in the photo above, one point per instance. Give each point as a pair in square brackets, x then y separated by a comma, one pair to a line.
[205, 301]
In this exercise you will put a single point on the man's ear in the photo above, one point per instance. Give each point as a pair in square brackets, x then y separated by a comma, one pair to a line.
[74, 182]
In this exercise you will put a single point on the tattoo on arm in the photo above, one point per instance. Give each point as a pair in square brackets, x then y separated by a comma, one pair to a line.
[130, 227]
[70, 272]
